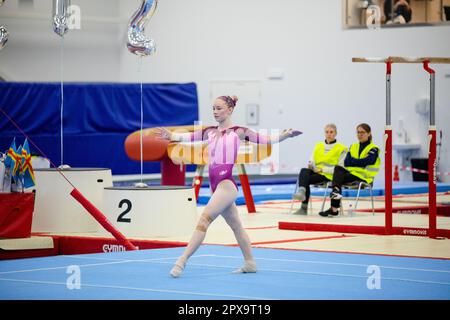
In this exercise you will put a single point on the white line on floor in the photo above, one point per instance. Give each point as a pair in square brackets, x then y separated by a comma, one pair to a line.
[92, 264]
[206, 294]
[337, 263]
[321, 274]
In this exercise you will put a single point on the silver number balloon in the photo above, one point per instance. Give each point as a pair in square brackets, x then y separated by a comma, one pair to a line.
[137, 42]
[3, 32]
[61, 16]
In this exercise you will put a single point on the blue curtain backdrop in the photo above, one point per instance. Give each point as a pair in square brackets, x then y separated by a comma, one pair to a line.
[97, 119]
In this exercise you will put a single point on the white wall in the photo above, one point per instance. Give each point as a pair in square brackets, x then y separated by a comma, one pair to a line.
[204, 40]
[32, 52]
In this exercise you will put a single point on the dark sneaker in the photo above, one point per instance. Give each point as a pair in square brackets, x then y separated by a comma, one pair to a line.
[334, 213]
[329, 212]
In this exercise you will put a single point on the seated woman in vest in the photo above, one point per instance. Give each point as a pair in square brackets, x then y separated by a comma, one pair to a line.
[325, 156]
[361, 164]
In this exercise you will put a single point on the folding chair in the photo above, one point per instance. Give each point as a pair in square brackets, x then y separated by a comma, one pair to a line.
[360, 185]
[325, 185]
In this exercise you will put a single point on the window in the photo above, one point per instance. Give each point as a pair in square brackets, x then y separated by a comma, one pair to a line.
[391, 13]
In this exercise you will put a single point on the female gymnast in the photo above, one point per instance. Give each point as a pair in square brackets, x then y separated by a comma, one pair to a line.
[223, 144]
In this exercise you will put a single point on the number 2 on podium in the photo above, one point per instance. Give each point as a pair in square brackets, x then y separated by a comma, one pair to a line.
[121, 217]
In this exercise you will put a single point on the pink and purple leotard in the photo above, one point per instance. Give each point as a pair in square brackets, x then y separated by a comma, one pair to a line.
[223, 149]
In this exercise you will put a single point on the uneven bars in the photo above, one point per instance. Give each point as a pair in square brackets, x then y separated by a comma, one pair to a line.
[392, 59]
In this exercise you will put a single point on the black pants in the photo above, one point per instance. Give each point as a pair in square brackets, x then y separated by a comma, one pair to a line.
[307, 177]
[341, 176]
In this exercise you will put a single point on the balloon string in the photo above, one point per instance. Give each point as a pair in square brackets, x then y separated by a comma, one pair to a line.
[142, 118]
[62, 97]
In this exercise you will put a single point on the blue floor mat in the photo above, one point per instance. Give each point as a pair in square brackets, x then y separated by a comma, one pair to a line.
[283, 274]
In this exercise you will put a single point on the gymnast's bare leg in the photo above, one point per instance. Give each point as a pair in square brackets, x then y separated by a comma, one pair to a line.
[231, 216]
[224, 195]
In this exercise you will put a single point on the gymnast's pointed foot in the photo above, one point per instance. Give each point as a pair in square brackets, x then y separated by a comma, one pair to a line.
[248, 267]
[178, 268]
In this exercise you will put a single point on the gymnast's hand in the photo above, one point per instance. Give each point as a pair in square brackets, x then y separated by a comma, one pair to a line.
[162, 133]
[292, 133]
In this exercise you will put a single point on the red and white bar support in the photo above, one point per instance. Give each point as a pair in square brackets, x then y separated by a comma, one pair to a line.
[431, 154]
[431, 136]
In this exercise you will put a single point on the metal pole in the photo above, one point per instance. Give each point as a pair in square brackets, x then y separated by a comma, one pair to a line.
[388, 93]
[388, 153]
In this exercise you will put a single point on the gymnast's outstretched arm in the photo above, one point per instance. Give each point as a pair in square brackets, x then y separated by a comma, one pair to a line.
[252, 136]
[198, 135]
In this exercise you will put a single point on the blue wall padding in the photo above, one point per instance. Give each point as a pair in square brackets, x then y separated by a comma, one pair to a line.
[97, 119]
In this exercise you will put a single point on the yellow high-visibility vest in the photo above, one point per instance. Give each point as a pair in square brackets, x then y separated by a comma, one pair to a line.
[329, 159]
[369, 172]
